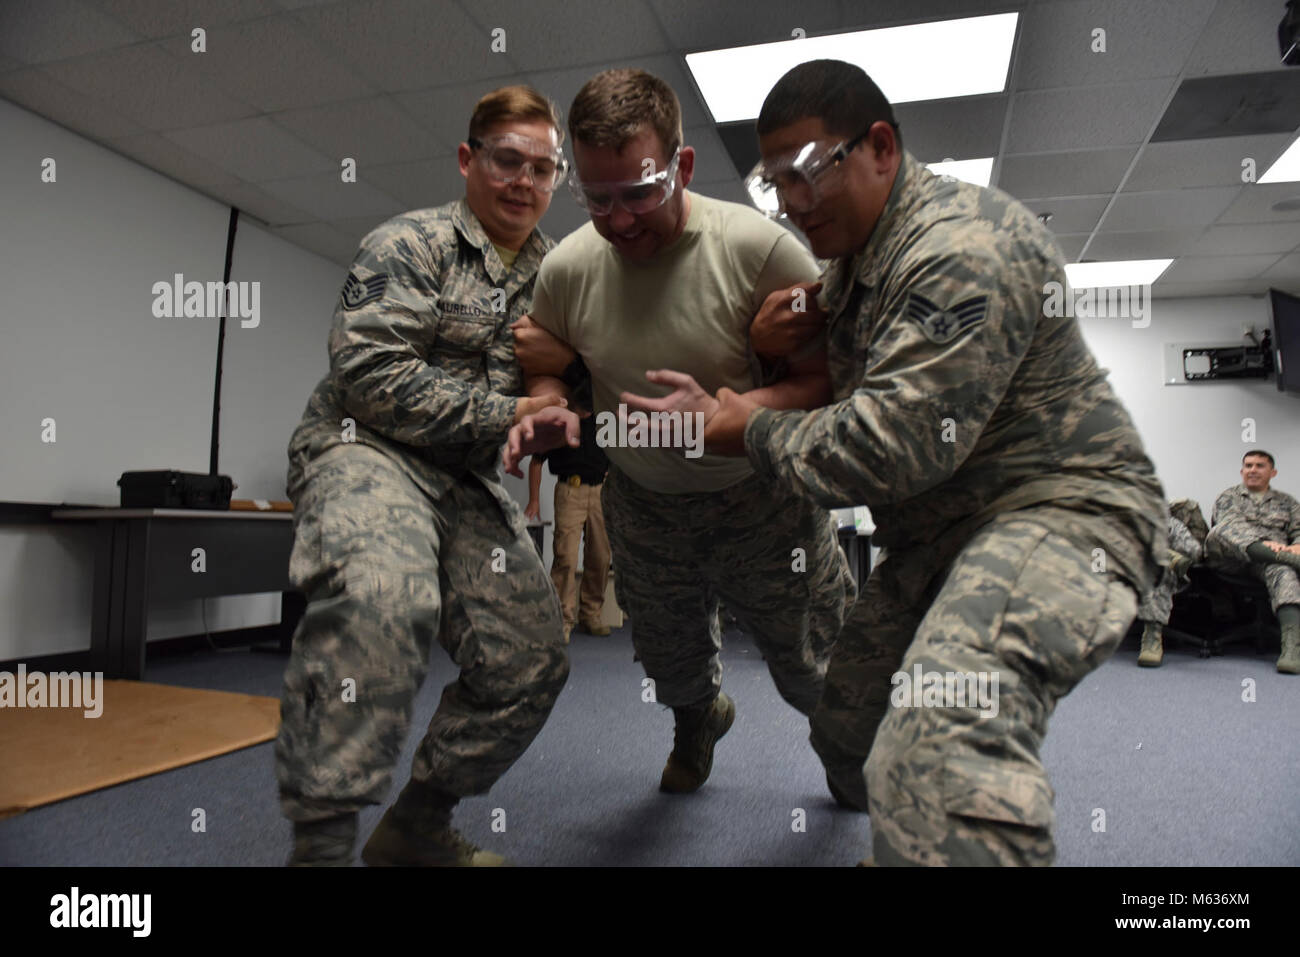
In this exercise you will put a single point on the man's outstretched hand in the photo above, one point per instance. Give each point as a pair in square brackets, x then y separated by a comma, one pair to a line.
[551, 428]
[686, 397]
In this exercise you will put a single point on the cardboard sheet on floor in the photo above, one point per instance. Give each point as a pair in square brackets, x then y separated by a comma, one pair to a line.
[48, 754]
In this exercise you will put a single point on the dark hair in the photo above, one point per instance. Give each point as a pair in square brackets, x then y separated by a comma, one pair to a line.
[840, 94]
[613, 106]
[1271, 463]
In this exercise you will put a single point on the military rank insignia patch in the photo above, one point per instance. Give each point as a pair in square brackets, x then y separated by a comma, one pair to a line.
[357, 293]
[944, 325]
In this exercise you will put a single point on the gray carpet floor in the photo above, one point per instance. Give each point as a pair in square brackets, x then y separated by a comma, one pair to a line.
[1183, 769]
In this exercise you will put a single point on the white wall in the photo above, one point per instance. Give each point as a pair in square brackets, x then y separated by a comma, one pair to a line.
[78, 259]
[1193, 432]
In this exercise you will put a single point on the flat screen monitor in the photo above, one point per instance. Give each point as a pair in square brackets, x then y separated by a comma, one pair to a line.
[1286, 339]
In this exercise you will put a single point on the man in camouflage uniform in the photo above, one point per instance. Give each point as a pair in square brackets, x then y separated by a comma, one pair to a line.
[1018, 513]
[1255, 529]
[1156, 605]
[403, 532]
[664, 276]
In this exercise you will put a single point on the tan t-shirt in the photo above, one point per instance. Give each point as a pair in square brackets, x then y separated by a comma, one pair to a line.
[688, 309]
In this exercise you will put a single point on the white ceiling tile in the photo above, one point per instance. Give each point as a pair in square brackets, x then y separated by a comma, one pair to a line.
[694, 26]
[45, 96]
[1076, 173]
[1247, 240]
[1286, 273]
[374, 132]
[1255, 204]
[322, 239]
[967, 127]
[166, 157]
[57, 30]
[1217, 268]
[404, 45]
[1214, 162]
[1198, 290]
[326, 196]
[1240, 37]
[430, 182]
[255, 150]
[1145, 244]
[355, 229]
[1150, 39]
[1086, 118]
[888, 12]
[445, 112]
[271, 64]
[1072, 245]
[152, 18]
[1070, 215]
[1169, 209]
[249, 199]
[150, 86]
[539, 36]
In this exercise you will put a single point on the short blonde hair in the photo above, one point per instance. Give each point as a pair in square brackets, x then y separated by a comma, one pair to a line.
[513, 103]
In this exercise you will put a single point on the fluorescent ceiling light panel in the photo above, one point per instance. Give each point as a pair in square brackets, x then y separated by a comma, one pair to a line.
[1287, 167]
[1129, 272]
[977, 171]
[924, 61]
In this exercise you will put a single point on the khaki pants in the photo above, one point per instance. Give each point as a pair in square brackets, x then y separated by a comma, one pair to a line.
[578, 510]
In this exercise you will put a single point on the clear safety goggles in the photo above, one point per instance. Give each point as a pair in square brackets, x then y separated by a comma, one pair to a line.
[507, 158]
[638, 197]
[798, 181]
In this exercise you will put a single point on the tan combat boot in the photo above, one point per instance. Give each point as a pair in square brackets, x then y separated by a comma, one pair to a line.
[416, 832]
[1153, 647]
[696, 732]
[1288, 663]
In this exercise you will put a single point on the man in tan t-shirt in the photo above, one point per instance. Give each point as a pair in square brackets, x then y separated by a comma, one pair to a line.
[662, 278]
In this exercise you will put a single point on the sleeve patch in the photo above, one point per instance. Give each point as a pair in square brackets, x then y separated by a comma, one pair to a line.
[941, 326]
[357, 293]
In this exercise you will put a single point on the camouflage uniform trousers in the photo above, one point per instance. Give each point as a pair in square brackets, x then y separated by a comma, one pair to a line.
[1158, 604]
[675, 556]
[963, 785]
[386, 571]
[1225, 549]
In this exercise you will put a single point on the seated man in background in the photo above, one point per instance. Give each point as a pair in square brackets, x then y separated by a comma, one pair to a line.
[1156, 604]
[404, 534]
[1255, 529]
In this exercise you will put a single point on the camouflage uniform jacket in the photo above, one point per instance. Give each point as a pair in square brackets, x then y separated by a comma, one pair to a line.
[1277, 513]
[957, 399]
[421, 354]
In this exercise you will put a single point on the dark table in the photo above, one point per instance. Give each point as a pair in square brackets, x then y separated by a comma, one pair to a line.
[143, 551]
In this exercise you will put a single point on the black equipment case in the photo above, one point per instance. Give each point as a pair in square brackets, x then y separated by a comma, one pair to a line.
[167, 489]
